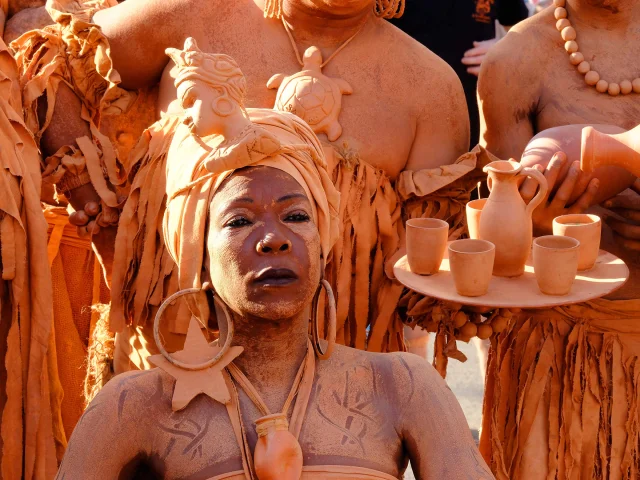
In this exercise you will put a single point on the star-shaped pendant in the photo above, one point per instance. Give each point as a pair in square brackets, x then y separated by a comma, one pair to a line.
[191, 383]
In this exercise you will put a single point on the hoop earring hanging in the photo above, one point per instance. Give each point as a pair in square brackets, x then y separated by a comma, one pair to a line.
[167, 355]
[331, 339]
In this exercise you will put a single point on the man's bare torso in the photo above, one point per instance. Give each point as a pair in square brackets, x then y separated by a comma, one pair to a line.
[543, 90]
[395, 80]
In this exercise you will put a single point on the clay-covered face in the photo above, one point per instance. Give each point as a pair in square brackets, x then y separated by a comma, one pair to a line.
[263, 245]
[199, 100]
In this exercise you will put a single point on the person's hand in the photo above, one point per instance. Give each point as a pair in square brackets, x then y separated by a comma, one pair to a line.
[627, 206]
[474, 57]
[99, 222]
[556, 204]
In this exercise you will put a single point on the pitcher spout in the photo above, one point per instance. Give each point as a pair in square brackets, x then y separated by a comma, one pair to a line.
[600, 149]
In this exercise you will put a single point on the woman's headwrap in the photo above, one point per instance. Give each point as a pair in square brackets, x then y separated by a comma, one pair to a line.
[196, 167]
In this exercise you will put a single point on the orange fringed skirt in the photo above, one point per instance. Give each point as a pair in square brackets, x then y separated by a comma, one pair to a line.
[563, 394]
[78, 284]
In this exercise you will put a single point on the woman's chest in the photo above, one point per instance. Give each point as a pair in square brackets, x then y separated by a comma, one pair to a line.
[345, 424]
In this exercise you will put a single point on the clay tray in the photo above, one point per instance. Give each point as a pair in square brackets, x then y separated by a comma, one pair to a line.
[608, 274]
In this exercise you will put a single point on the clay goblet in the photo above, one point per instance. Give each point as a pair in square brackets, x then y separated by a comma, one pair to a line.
[426, 244]
[584, 228]
[474, 209]
[471, 263]
[555, 263]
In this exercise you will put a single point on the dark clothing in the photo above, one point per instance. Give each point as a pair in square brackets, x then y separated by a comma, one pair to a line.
[449, 27]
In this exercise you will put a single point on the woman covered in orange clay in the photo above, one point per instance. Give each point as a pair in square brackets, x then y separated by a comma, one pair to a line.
[391, 162]
[251, 218]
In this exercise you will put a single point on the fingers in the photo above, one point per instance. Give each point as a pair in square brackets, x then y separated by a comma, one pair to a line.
[79, 218]
[628, 231]
[563, 193]
[586, 199]
[474, 71]
[110, 215]
[477, 60]
[92, 208]
[479, 48]
[631, 215]
[554, 167]
[627, 244]
[628, 236]
[629, 202]
[530, 186]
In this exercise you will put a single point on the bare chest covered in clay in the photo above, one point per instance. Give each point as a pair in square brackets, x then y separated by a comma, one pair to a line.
[376, 120]
[566, 99]
[347, 423]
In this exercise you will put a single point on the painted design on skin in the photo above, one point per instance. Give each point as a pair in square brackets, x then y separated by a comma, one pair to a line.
[189, 431]
[351, 418]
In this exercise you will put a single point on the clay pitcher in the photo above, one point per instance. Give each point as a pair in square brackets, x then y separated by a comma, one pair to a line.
[277, 455]
[621, 150]
[506, 218]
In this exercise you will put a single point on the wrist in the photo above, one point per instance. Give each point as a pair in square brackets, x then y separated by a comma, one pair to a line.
[70, 182]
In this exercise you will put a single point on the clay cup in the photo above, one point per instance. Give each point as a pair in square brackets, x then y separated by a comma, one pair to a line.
[426, 244]
[471, 263]
[555, 263]
[474, 209]
[584, 228]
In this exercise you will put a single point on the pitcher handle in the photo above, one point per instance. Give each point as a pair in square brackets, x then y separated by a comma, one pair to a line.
[540, 196]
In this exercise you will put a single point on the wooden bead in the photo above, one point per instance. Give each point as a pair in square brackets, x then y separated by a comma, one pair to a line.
[562, 24]
[636, 85]
[614, 89]
[568, 33]
[560, 12]
[571, 46]
[559, 3]
[592, 77]
[626, 87]
[584, 68]
[602, 86]
[576, 58]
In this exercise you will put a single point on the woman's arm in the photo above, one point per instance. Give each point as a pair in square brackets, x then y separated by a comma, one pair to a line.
[105, 443]
[434, 429]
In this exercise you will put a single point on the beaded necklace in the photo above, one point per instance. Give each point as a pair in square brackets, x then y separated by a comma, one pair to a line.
[591, 77]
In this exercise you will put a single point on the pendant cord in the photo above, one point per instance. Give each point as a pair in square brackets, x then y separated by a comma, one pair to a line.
[331, 57]
[253, 394]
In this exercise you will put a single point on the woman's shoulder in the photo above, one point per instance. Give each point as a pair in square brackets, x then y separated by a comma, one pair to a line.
[400, 374]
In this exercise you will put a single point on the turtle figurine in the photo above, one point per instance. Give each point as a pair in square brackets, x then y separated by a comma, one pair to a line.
[311, 95]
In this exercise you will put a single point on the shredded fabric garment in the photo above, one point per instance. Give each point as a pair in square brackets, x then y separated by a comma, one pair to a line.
[74, 52]
[77, 282]
[32, 436]
[563, 394]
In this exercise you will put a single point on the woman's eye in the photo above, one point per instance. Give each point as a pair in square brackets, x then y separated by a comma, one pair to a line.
[238, 222]
[297, 217]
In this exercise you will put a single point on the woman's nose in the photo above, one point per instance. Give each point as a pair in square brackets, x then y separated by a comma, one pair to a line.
[273, 243]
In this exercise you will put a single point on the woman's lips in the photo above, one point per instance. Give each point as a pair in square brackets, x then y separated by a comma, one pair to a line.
[275, 277]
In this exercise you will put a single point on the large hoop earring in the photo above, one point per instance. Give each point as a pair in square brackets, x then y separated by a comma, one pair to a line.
[167, 355]
[331, 339]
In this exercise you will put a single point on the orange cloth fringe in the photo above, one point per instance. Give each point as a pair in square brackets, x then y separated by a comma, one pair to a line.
[562, 395]
[32, 436]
